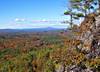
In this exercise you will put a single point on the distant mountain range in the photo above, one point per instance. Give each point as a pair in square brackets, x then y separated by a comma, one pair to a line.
[31, 29]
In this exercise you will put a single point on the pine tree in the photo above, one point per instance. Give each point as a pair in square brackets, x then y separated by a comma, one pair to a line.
[81, 8]
[84, 6]
[73, 15]
[70, 13]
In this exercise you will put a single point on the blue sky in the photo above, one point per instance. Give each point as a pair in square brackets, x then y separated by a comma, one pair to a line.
[32, 13]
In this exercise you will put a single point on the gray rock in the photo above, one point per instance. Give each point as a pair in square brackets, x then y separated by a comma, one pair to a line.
[90, 46]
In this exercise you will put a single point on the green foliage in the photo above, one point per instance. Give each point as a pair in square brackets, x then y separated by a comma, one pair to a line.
[85, 6]
[80, 8]
[44, 58]
[75, 17]
[75, 7]
[9, 51]
[80, 15]
[67, 13]
[75, 0]
[49, 66]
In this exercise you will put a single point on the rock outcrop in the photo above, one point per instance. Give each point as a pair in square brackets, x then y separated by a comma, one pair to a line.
[89, 37]
[90, 42]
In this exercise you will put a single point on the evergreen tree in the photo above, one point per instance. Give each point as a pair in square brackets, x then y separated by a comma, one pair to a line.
[81, 8]
[70, 13]
[73, 15]
[84, 6]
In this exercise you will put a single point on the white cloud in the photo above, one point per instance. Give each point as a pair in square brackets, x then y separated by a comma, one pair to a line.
[22, 19]
[16, 19]
[19, 19]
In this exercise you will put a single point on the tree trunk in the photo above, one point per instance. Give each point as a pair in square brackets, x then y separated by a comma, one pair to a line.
[71, 20]
[99, 5]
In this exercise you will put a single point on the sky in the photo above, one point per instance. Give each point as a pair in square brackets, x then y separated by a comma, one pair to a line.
[32, 13]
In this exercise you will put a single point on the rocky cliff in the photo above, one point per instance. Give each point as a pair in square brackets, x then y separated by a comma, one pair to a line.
[90, 35]
[88, 44]
[90, 41]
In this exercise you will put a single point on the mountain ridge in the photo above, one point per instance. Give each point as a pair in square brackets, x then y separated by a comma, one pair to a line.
[31, 29]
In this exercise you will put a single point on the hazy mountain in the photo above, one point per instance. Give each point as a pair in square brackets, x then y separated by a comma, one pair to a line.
[31, 29]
